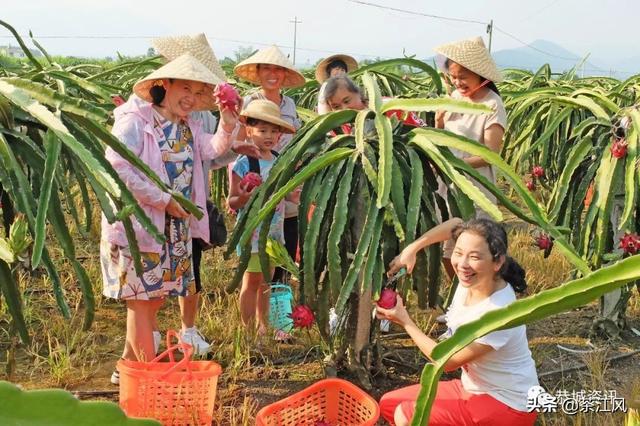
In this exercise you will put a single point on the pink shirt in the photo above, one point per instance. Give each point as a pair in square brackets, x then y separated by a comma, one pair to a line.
[135, 128]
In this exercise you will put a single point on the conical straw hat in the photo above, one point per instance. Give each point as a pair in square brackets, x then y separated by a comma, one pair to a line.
[321, 68]
[185, 67]
[248, 69]
[266, 110]
[473, 55]
[197, 45]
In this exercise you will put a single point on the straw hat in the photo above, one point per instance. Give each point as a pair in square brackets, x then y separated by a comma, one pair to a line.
[197, 45]
[265, 110]
[185, 67]
[248, 69]
[321, 68]
[471, 54]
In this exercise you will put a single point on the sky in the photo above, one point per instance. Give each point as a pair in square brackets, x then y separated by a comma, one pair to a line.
[605, 29]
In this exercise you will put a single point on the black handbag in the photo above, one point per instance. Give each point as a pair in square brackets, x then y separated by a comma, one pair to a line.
[217, 228]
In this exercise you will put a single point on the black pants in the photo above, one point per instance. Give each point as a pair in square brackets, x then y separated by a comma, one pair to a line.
[291, 244]
[197, 258]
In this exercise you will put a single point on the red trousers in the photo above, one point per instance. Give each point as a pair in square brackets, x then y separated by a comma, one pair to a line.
[454, 406]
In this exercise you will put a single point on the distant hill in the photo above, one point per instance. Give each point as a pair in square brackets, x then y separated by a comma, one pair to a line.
[560, 59]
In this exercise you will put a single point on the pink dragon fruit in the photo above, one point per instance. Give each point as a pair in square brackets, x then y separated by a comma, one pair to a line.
[387, 299]
[251, 180]
[302, 317]
[544, 242]
[226, 96]
[537, 171]
[630, 243]
[619, 148]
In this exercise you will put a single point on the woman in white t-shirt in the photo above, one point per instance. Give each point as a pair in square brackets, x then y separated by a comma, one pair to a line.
[497, 369]
[473, 74]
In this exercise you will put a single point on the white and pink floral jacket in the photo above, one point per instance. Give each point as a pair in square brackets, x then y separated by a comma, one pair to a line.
[134, 126]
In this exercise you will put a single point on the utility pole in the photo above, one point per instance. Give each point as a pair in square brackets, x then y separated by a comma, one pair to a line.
[490, 31]
[295, 23]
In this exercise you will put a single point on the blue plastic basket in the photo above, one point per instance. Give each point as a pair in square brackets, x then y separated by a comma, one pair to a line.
[280, 307]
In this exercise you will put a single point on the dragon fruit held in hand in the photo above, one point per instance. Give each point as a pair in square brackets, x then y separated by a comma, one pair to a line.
[387, 299]
[251, 180]
[226, 96]
[302, 317]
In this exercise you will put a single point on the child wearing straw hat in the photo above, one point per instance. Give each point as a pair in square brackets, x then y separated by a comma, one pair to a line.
[332, 66]
[198, 46]
[264, 127]
[272, 71]
[157, 127]
[473, 74]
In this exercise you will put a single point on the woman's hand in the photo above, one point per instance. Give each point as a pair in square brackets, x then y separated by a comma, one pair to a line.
[294, 196]
[245, 148]
[175, 209]
[397, 314]
[406, 259]
[229, 116]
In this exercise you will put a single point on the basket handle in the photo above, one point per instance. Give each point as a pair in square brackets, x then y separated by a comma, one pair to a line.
[187, 349]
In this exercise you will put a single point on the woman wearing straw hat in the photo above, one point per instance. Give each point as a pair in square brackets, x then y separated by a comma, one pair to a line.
[473, 73]
[272, 71]
[157, 127]
[198, 46]
[332, 66]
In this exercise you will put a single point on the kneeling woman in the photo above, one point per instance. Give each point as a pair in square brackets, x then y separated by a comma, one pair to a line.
[497, 369]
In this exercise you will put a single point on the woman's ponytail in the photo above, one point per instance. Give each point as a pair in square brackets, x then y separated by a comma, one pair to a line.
[513, 273]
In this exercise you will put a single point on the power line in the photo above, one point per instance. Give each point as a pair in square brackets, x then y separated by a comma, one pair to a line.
[446, 18]
[540, 10]
[471, 21]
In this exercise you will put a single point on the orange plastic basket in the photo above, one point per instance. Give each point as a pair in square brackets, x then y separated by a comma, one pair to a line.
[335, 401]
[175, 393]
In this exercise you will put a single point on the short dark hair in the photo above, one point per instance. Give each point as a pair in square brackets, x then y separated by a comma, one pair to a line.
[496, 238]
[256, 121]
[336, 63]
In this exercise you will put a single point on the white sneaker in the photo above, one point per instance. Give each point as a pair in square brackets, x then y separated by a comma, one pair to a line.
[157, 338]
[193, 337]
[115, 377]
